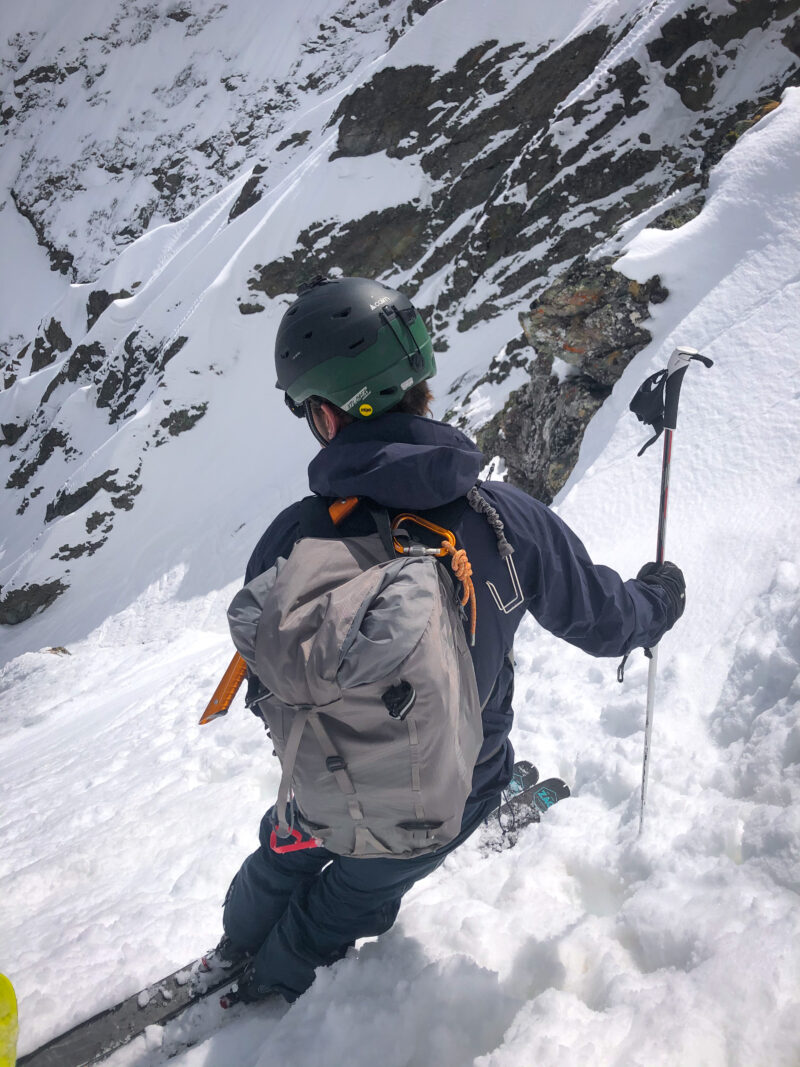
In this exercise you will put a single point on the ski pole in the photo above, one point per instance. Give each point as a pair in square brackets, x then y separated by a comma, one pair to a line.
[656, 403]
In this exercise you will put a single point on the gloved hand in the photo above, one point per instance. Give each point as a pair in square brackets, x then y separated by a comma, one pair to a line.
[670, 578]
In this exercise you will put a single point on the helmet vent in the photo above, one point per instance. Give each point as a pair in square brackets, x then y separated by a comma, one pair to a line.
[308, 336]
[389, 391]
[341, 314]
[356, 344]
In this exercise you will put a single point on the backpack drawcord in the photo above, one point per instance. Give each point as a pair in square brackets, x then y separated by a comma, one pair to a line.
[462, 568]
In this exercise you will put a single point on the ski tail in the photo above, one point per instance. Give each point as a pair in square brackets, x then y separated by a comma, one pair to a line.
[545, 794]
[525, 801]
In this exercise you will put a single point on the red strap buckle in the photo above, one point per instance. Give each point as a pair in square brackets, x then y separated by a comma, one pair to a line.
[297, 843]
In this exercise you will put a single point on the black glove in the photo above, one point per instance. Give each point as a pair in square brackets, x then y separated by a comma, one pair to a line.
[670, 578]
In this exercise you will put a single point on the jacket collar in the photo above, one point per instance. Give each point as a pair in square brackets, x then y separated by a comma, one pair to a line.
[399, 461]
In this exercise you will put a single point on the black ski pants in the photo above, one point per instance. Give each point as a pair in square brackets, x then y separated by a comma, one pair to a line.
[297, 911]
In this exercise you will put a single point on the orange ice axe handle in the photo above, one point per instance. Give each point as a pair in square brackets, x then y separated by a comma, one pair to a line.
[226, 690]
[237, 669]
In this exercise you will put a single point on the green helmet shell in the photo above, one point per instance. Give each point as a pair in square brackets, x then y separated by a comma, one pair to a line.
[354, 342]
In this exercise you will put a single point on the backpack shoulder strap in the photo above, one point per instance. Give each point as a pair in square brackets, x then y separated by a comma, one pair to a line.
[314, 519]
[383, 525]
[349, 517]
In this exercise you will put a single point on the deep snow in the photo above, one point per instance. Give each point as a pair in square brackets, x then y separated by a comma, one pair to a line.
[123, 821]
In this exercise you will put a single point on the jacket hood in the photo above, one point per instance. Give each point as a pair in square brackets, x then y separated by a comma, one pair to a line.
[399, 461]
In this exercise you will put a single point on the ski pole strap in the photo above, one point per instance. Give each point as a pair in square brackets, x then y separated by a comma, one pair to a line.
[621, 669]
[656, 399]
[648, 405]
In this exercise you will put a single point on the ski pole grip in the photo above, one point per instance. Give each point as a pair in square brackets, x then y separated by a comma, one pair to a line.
[676, 369]
[672, 392]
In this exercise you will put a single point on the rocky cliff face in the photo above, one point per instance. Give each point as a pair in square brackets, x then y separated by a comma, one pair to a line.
[188, 125]
[536, 158]
[492, 167]
[586, 328]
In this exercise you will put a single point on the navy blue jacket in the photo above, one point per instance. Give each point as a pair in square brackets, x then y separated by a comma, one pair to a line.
[408, 463]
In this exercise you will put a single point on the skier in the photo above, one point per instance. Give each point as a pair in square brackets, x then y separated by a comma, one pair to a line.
[353, 358]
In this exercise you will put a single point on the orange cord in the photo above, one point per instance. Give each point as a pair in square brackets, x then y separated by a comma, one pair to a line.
[462, 568]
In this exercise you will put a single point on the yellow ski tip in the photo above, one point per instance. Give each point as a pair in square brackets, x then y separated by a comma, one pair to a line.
[9, 1024]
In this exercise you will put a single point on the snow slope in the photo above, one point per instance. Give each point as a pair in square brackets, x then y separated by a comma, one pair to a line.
[123, 821]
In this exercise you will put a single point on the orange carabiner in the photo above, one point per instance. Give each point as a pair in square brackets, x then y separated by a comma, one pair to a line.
[446, 535]
[462, 568]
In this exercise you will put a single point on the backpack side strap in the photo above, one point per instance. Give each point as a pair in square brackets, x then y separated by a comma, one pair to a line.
[333, 761]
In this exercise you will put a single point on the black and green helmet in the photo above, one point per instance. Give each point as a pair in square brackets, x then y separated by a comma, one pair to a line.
[353, 342]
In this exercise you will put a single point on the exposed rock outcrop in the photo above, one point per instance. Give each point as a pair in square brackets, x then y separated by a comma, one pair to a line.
[585, 330]
[18, 605]
[523, 180]
[99, 300]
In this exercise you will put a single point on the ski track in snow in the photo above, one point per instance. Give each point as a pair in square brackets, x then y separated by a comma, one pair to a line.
[123, 821]
[636, 35]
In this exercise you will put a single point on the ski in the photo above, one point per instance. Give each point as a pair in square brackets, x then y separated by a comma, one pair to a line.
[9, 1023]
[525, 800]
[523, 777]
[93, 1040]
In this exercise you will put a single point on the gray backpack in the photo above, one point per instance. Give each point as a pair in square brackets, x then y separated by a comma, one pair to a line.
[370, 696]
